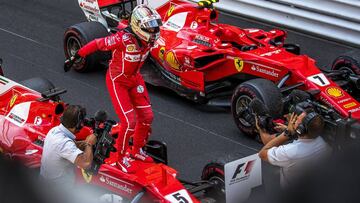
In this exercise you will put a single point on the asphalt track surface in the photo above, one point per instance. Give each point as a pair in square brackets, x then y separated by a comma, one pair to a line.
[31, 33]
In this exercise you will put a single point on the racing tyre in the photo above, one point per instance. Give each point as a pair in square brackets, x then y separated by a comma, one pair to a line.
[214, 172]
[77, 36]
[346, 62]
[38, 84]
[259, 88]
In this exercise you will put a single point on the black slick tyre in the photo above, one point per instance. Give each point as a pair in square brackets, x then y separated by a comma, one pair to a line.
[346, 62]
[77, 36]
[262, 89]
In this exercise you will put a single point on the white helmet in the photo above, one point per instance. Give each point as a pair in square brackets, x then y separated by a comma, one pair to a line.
[145, 23]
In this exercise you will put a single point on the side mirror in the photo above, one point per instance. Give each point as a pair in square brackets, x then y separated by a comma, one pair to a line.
[1, 70]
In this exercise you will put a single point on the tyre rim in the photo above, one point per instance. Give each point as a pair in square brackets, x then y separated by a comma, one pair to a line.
[73, 45]
[219, 184]
[242, 103]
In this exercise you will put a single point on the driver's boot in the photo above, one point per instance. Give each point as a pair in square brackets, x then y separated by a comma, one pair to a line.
[127, 164]
[140, 154]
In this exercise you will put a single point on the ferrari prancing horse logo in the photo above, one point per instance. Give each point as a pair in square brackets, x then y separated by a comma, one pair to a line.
[239, 64]
[87, 177]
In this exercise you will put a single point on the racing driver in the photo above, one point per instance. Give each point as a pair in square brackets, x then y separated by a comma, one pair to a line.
[130, 48]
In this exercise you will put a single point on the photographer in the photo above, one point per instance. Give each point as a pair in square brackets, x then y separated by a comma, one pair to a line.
[60, 152]
[293, 157]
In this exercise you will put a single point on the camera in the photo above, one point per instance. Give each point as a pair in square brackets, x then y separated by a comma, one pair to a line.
[257, 110]
[105, 141]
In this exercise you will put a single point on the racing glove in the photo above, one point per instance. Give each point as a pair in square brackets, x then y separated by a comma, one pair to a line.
[70, 62]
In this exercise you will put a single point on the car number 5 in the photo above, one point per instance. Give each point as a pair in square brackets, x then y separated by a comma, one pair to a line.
[180, 196]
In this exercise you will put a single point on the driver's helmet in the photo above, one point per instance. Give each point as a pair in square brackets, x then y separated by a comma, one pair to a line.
[145, 23]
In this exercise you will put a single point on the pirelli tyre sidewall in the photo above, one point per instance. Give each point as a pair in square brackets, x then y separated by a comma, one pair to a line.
[262, 89]
[346, 62]
[79, 35]
[214, 172]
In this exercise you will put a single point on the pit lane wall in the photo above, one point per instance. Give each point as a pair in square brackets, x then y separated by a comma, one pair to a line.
[337, 20]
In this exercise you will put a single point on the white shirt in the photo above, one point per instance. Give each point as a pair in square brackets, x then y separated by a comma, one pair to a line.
[59, 154]
[293, 157]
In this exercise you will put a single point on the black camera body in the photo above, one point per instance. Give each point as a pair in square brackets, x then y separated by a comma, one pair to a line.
[104, 145]
[257, 110]
[105, 141]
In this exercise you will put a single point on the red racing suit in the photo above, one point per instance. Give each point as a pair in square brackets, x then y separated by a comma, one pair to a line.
[126, 86]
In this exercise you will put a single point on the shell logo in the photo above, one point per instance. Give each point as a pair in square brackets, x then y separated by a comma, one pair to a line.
[87, 177]
[162, 53]
[334, 92]
[172, 61]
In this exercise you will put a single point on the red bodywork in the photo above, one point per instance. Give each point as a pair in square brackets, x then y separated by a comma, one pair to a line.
[197, 51]
[24, 123]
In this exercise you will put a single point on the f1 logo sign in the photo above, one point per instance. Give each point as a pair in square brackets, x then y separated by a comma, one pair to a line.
[243, 169]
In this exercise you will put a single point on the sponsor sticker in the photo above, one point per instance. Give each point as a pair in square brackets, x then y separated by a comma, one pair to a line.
[37, 121]
[111, 40]
[172, 61]
[13, 100]
[140, 89]
[132, 57]
[171, 9]
[271, 53]
[349, 105]
[334, 92]
[161, 53]
[176, 22]
[87, 177]
[343, 100]
[265, 70]
[126, 37]
[239, 64]
[121, 186]
[131, 48]
[354, 110]
[194, 25]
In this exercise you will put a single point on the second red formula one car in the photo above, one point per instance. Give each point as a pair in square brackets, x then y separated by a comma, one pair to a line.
[30, 109]
[206, 62]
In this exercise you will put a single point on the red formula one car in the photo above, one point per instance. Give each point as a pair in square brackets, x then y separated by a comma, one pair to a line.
[26, 115]
[206, 62]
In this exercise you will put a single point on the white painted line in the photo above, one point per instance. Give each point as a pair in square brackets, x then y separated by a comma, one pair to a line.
[28, 39]
[205, 130]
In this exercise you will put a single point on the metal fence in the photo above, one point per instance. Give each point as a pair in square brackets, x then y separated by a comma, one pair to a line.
[338, 20]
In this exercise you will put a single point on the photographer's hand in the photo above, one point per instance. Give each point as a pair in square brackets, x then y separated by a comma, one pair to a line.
[84, 160]
[91, 139]
[291, 123]
[264, 135]
[257, 126]
[279, 127]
